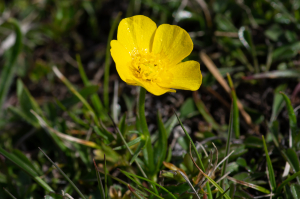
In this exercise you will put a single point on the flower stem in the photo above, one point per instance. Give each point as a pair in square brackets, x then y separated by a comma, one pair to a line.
[141, 111]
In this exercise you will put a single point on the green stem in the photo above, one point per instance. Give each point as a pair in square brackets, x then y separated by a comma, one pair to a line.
[141, 111]
[107, 62]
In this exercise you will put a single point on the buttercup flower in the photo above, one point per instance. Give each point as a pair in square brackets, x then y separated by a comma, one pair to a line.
[151, 57]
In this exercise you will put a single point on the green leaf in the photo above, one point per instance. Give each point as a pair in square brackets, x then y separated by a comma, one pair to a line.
[139, 149]
[286, 51]
[9, 193]
[187, 108]
[65, 176]
[161, 145]
[27, 103]
[292, 118]
[293, 159]
[150, 181]
[100, 185]
[94, 98]
[227, 148]
[107, 61]
[277, 102]
[85, 93]
[295, 189]
[235, 109]
[287, 181]
[27, 168]
[270, 167]
[23, 157]
[205, 114]
[9, 67]
[131, 143]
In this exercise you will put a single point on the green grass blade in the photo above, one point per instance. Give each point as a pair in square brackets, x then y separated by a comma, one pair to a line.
[75, 92]
[292, 116]
[138, 150]
[161, 146]
[205, 114]
[27, 103]
[191, 141]
[216, 185]
[270, 167]
[66, 177]
[131, 143]
[94, 98]
[227, 149]
[9, 193]
[100, 185]
[105, 178]
[107, 62]
[287, 181]
[150, 181]
[235, 110]
[125, 143]
[8, 69]
[194, 148]
[17, 161]
[277, 102]
[295, 189]
[293, 160]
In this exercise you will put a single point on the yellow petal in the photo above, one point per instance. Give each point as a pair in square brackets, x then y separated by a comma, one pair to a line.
[172, 43]
[136, 33]
[122, 59]
[185, 75]
[152, 87]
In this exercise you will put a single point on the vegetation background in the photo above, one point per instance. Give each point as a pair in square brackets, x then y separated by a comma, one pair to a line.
[59, 85]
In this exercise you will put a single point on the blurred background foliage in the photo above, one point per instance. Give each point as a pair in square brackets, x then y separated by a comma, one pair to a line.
[255, 41]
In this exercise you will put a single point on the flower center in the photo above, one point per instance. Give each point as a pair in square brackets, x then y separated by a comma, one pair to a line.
[146, 66]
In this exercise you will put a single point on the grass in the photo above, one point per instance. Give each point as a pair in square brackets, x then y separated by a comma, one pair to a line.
[69, 127]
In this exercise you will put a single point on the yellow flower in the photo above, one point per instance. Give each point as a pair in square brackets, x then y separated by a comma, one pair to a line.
[151, 57]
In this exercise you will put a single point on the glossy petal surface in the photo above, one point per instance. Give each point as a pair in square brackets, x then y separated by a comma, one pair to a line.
[153, 87]
[136, 33]
[122, 59]
[172, 43]
[185, 75]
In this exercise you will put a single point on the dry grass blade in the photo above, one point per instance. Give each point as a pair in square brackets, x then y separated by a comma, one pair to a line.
[253, 186]
[215, 72]
[224, 159]
[188, 181]
[210, 180]
[61, 135]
